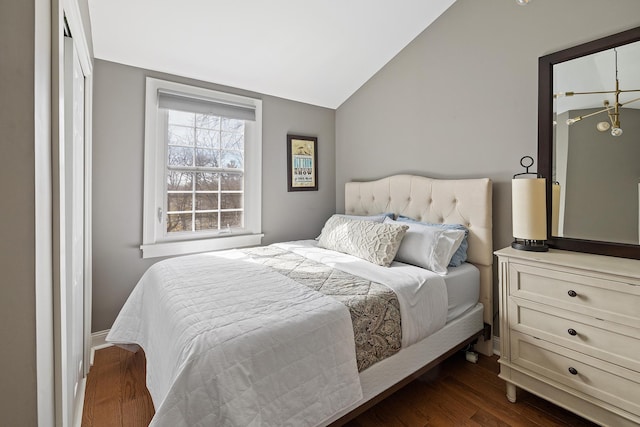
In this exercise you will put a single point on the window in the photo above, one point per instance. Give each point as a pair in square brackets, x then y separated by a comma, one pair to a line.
[202, 175]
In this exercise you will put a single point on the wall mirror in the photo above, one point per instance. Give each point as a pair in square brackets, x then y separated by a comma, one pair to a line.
[589, 145]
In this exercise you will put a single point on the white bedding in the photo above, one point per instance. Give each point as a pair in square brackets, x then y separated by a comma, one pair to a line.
[281, 339]
[463, 289]
[420, 304]
[288, 356]
[422, 294]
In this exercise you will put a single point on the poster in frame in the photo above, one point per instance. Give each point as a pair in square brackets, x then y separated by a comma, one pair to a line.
[302, 163]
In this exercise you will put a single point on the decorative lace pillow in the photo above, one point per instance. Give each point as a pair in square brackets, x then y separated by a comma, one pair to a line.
[374, 218]
[371, 241]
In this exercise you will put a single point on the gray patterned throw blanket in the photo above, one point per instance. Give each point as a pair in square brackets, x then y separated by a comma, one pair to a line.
[374, 308]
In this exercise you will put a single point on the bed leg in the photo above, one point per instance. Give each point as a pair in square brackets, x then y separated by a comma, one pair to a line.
[486, 332]
[471, 356]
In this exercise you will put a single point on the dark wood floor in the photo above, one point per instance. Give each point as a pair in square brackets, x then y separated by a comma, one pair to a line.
[456, 393]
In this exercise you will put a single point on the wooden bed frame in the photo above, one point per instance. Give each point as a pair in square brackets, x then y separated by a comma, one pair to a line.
[462, 201]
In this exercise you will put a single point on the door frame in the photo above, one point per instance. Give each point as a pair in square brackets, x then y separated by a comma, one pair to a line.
[50, 15]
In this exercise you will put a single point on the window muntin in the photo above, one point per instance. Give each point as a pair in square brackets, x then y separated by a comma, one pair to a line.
[205, 173]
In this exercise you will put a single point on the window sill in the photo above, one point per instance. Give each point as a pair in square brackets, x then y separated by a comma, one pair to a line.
[155, 250]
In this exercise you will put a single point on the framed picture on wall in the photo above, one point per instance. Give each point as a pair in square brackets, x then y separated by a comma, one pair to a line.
[302, 163]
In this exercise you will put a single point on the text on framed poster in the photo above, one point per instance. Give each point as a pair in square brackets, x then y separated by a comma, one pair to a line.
[302, 163]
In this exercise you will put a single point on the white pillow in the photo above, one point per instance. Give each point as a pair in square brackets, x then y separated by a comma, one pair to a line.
[428, 246]
[372, 241]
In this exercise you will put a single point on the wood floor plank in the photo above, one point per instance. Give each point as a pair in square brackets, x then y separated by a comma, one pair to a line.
[379, 415]
[408, 413]
[535, 406]
[136, 401]
[481, 379]
[506, 413]
[370, 418]
[107, 400]
[486, 419]
[490, 396]
[454, 393]
[454, 408]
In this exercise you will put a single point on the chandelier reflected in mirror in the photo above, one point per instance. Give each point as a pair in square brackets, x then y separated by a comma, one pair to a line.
[613, 111]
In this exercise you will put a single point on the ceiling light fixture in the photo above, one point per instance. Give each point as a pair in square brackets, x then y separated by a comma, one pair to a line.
[612, 111]
[523, 2]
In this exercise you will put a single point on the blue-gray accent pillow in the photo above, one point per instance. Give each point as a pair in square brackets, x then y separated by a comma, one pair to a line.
[460, 254]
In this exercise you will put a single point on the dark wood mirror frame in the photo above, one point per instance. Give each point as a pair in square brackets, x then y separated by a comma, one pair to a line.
[545, 138]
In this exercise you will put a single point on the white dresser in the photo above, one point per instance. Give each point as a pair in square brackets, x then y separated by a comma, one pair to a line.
[570, 331]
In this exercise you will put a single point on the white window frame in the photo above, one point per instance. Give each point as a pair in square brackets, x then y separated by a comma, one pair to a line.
[155, 241]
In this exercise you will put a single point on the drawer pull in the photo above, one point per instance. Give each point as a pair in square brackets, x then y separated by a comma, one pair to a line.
[572, 293]
[572, 332]
[573, 371]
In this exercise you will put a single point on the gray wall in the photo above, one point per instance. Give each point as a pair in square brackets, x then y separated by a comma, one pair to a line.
[18, 403]
[118, 138]
[601, 187]
[461, 100]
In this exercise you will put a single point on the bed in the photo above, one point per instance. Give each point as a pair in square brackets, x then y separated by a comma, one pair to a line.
[267, 351]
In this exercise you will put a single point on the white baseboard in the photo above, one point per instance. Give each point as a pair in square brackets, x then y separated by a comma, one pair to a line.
[98, 341]
[496, 345]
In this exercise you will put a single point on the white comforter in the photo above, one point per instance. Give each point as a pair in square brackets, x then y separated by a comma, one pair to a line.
[422, 294]
[231, 343]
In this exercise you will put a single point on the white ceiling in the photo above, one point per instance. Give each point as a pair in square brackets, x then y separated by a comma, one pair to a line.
[318, 52]
[597, 72]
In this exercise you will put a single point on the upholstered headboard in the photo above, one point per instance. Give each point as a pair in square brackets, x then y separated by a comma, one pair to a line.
[458, 201]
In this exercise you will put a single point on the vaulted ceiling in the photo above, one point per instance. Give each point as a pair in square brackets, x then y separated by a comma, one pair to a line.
[317, 52]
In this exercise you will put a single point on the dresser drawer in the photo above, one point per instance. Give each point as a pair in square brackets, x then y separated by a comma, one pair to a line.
[603, 299]
[615, 343]
[583, 374]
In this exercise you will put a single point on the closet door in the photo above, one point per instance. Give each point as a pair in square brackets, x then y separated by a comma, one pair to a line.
[72, 232]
